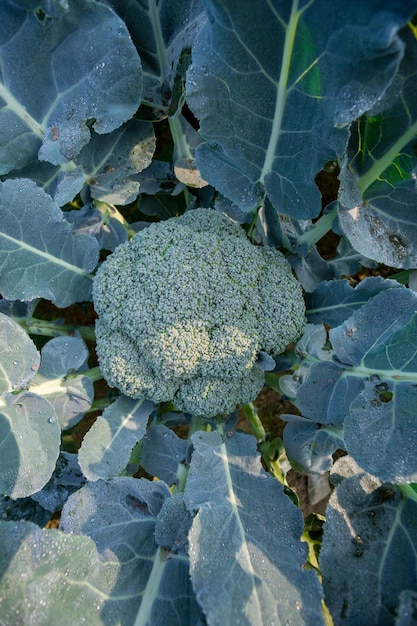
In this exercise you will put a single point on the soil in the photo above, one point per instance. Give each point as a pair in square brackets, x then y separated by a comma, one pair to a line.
[270, 407]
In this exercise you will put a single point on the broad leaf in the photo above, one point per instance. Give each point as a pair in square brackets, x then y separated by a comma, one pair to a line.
[268, 85]
[368, 554]
[66, 479]
[108, 231]
[48, 577]
[29, 433]
[107, 164]
[162, 452]
[80, 45]
[367, 392]
[107, 446]
[163, 33]
[378, 187]
[327, 392]
[70, 395]
[40, 506]
[334, 301]
[29, 444]
[309, 448]
[153, 585]
[61, 182]
[110, 163]
[173, 525]
[406, 608]
[23, 509]
[39, 255]
[19, 358]
[62, 355]
[245, 554]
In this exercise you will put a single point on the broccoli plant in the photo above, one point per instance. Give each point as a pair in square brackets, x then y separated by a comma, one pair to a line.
[205, 205]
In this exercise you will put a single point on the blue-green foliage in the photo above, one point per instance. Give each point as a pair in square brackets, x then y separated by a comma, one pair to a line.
[118, 113]
[362, 390]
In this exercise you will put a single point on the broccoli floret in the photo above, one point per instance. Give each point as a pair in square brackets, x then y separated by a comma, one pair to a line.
[185, 308]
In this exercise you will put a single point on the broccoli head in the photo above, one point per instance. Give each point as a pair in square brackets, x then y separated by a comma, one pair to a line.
[186, 307]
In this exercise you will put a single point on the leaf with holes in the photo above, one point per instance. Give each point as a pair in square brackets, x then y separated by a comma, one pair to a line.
[378, 178]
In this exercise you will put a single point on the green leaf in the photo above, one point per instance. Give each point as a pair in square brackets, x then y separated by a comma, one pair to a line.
[106, 448]
[48, 99]
[29, 444]
[19, 358]
[269, 85]
[110, 163]
[162, 453]
[368, 554]
[122, 516]
[378, 187]
[66, 479]
[365, 396]
[39, 255]
[29, 433]
[246, 557]
[334, 301]
[70, 396]
[48, 577]
[162, 31]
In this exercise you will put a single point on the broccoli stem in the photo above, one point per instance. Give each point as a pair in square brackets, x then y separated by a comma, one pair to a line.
[109, 211]
[409, 491]
[254, 421]
[182, 475]
[99, 405]
[94, 373]
[271, 451]
[319, 229]
[197, 423]
[47, 328]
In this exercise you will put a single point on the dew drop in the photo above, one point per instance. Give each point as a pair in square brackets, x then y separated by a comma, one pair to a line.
[52, 419]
